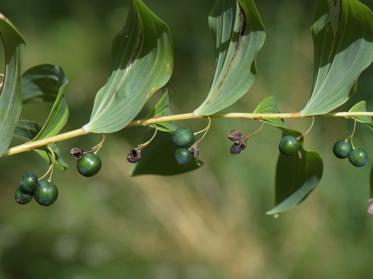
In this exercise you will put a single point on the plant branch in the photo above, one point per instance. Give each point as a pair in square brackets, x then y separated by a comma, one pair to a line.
[177, 117]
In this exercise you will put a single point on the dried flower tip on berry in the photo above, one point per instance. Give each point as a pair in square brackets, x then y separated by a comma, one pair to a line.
[235, 136]
[76, 153]
[195, 152]
[134, 155]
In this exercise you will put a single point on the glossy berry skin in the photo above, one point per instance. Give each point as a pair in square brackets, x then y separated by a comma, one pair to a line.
[46, 193]
[28, 184]
[183, 156]
[89, 165]
[183, 137]
[22, 197]
[358, 157]
[342, 149]
[288, 145]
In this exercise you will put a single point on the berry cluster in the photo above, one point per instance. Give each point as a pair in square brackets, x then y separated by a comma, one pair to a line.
[357, 156]
[44, 192]
[184, 139]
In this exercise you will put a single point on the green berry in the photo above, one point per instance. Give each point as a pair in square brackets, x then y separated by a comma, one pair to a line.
[28, 184]
[89, 165]
[289, 145]
[183, 137]
[342, 149]
[22, 197]
[358, 157]
[46, 193]
[183, 156]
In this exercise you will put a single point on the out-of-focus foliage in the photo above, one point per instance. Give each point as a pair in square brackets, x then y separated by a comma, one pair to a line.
[207, 224]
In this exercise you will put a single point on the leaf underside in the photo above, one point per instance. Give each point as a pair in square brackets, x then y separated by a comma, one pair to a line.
[162, 108]
[269, 105]
[26, 130]
[343, 48]
[142, 64]
[362, 107]
[11, 95]
[296, 177]
[239, 34]
[45, 83]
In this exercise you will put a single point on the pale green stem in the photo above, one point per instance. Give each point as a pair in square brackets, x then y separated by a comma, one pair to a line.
[28, 146]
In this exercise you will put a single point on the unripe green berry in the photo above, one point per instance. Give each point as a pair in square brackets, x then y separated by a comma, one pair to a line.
[183, 137]
[28, 184]
[342, 149]
[89, 165]
[289, 145]
[22, 197]
[46, 193]
[183, 156]
[358, 157]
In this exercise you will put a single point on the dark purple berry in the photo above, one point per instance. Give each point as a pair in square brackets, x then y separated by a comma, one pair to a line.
[236, 149]
[134, 155]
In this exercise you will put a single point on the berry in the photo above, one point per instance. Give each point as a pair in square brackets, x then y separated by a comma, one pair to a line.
[183, 156]
[22, 197]
[183, 137]
[236, 148]
[89, 165]
[288, 145]
[342, 149]
[134, 155]
[358, 157]
[28, 184]
[46, 193]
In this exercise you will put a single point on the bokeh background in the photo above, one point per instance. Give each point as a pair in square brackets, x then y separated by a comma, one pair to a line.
[210, 223]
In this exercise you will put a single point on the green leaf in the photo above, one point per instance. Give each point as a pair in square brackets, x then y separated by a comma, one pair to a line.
[42, 83]
[269, 105]
[47, 83]
[143, 62]
[371, 184]
[343, 46]
[361, 107]
[162, 108]
[240, 35]
[52, 155]
[11, 95]
[58, 115]
[26, 130]
[296, 177]
[159, 159]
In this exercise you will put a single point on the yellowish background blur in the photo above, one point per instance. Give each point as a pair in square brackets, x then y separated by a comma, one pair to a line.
[210, 223]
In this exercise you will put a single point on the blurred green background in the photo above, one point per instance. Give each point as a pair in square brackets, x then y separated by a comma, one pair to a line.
[210, 223]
